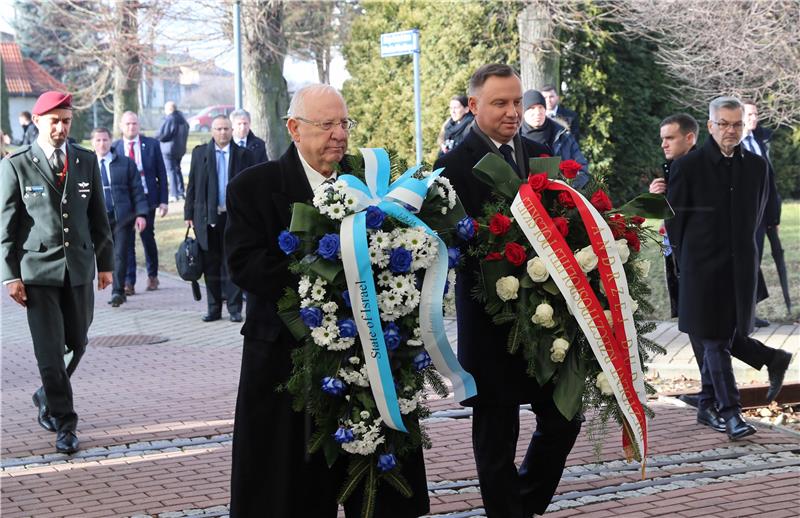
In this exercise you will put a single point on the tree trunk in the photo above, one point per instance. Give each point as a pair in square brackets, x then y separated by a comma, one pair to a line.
[538, 46]
[266, 95]
[127, 68]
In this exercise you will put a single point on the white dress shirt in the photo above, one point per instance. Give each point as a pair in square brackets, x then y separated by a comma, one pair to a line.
[315, 178]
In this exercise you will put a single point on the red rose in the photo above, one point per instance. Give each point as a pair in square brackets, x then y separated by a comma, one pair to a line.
[601, 201]
[494, 256]
[569, 168]
[515, 254]
[499, 224]
[476, 225]
[662, 230]
[566, 200]
[633, 240]
[544, 155]
[562, 225]
[617, 225]
[637, 220]
[538, 182]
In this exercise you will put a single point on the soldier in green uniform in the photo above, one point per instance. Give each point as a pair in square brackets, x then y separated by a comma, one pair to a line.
[54, 229]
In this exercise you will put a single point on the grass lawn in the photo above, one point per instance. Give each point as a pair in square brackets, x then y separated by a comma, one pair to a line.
[773, 308]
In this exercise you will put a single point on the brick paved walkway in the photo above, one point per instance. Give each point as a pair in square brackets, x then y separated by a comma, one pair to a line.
[156, 421]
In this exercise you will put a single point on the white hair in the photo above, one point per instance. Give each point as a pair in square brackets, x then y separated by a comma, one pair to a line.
[727, 102]
[297, 105]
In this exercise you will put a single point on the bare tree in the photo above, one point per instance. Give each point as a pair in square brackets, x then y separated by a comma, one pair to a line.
[539, 48]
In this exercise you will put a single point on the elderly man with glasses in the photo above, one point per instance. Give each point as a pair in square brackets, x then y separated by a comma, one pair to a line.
[719, 193]
[272, 470]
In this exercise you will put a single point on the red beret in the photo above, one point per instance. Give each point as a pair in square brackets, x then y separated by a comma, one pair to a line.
[50, 101]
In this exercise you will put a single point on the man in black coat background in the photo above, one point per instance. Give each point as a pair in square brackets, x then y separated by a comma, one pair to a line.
[214, 164]
[718, 193]
[126, 205]
[503, 385]
[272, 475]
[172, 135]
[243, 136]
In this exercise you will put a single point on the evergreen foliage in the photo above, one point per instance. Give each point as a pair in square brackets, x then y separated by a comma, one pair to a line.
[455, 38]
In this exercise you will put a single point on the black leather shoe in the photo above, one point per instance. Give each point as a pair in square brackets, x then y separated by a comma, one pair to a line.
[776, 370]
[67, 442]
[709, 417]
[236, 317]
[737, 428]
[44, 413]
[116, 300]
[760, 322]
[210, 318]
[690, 399]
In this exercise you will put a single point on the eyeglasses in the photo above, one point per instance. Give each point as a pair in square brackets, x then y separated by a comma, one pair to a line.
[724, 125]
[345, 124]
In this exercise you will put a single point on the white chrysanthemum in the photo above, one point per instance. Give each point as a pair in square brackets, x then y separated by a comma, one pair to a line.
[304, 285]
[330, 307]
[446, 191]
[367, 438]
[350, 203]
[342, 344]
[324, 335]
[416, 341]
[380, 239]
[425, 257]
[354, 360]
[318, 290]
[401, 284]
[304, 303]
[409, 405]
[388, 300]
[385, 279]
[378, 257]
[329, 319]
[336, 211]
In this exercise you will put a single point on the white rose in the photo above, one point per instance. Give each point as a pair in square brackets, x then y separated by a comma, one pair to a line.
[634, 305]
[643, 267]
[624, 251]
[603, 384]
[586, 259]
[544, 315]
[507, 288]
[558, 351]
[537, 270]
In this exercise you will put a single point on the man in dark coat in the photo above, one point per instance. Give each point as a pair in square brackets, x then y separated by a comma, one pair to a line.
[146, 152]
[243, 136]
[272, 472]
[54, 233]
[213, 165]
[678, 137]
[29, 131]
[718, 193]
[125, 203]
[457, 126]
[556, 111]
[501, 378]
[172, 135]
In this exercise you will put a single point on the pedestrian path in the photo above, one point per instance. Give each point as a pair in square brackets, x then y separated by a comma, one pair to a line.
[156, 421]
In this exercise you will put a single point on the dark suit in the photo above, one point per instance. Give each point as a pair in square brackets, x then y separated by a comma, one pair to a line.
[271, 473]
[155, 177]
[501, 378]
[571, 118]
[172, 135]
[719, 203]
[256, 146]
[202, 201]
[129, 202]
[51, 238]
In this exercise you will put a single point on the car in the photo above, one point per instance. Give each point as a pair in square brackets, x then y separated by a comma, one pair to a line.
[202, 121]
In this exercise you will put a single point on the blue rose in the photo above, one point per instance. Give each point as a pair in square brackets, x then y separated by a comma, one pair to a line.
[311, 316]
[374, 217]
[346, 298]
[288, 242]
[391, 335]
[422, 361]
[332, 386]
[453, 255]
[400, 260]
[465, 228]
[347, 328]
[328, 246]
[386, 462]
[343, 435]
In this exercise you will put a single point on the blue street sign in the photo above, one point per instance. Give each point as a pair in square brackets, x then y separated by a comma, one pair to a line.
[399, 43]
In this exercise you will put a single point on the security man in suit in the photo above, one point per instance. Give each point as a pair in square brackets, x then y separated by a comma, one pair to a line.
[556, 111]
[495, 98]
[54, 231]
[126, 205]
[146, 152]
[213, 165]
[243, 136]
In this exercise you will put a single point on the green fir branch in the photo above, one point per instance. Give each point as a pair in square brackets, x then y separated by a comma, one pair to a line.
[356, 470]
[370, 492]
[399, 482]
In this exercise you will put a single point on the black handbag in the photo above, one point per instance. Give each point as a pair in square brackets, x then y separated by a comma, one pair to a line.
[189, 262]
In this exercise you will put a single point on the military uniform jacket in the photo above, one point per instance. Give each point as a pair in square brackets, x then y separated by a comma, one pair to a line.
[46, 230]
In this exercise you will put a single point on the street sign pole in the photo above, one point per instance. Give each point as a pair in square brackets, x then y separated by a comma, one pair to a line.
[402, 44]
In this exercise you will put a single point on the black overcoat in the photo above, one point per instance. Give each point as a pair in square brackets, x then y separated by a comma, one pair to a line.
[718, 203]
[126, 190]
[500, 377]
[201, 193]
[272, 476]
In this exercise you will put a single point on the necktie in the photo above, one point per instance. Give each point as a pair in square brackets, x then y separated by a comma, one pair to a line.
[106, 186]
[222, 178]
[751, 145]
[58, 161]
[508, 154]
[241, 143]
[131, 152]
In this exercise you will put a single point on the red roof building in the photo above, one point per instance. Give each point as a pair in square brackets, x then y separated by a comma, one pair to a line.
[24, 77]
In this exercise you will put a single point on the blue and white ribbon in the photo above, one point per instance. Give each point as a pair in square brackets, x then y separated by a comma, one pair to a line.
[400, 200]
